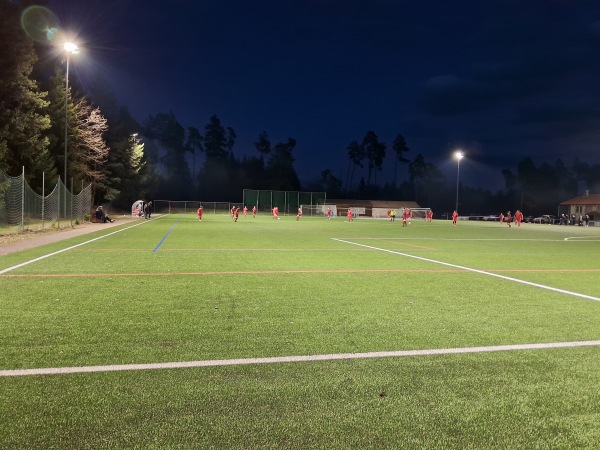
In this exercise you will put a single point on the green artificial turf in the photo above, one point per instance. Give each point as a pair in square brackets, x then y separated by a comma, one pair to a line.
[175, 289]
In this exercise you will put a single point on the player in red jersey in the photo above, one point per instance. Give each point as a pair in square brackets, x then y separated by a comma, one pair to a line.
[509, 219]
[429, 215]
[350, 215]
[501, 218]
[232, 211]
[454, 218]
[299, 214]
[245, 211]
[276, 212]
[405, 216]
[254, 211]
[200, 213]
[518, 218]
[328, 213]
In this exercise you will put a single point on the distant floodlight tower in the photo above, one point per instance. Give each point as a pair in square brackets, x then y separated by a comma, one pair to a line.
[458, 155]
[70, 49]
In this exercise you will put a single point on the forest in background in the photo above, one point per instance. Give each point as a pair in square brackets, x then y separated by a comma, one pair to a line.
[125, 160]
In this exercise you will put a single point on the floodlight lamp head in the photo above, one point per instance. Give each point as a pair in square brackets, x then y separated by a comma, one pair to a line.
[71, 47]
[458, 154]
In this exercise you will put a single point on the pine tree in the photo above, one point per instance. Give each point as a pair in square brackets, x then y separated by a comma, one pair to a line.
[280, 167]
[23, 122]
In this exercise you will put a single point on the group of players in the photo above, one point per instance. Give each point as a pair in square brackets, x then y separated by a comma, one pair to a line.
[235, 212]
[406, 215]
[518, 218]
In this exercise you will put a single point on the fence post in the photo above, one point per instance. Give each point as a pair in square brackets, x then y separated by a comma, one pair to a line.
[71, 202]
[43, 197]
[23, 199]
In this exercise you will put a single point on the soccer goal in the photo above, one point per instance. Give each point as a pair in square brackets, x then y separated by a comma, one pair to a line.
[418, 213]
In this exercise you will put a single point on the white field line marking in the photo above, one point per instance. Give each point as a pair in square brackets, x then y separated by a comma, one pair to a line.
[453, 239]
[583, 239]
[31, 261]
[288, 359]
[483, 272]
[567, 239]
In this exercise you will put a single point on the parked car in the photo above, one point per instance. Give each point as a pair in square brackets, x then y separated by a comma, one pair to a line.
[528, 219]
[546, 218]
[491, 218]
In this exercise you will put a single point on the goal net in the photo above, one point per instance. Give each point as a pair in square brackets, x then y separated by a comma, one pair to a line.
[417, 213]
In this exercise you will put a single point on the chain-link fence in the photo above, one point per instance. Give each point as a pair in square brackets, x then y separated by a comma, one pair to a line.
[21, 208]
[288, 202]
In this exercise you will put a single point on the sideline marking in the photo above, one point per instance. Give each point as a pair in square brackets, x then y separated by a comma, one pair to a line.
[287, 359]
[456, 239]
[582, 239]
[165, 236]
[483, 272]
[18, 266]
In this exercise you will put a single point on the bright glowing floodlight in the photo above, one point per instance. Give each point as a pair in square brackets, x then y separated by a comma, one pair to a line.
[458, 155]
[71, 47]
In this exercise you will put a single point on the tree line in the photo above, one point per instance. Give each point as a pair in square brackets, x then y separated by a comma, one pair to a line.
[160, 158]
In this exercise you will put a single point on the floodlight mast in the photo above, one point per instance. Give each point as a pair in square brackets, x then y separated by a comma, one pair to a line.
[458, 155]
[71, 49]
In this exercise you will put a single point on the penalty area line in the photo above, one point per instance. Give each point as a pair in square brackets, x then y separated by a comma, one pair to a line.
[289, 359]
[470, 269]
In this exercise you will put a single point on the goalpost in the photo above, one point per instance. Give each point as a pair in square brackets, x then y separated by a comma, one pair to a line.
[418, 213]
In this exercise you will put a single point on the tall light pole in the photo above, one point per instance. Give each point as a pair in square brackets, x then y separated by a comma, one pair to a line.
[70, 48]
[458, 155]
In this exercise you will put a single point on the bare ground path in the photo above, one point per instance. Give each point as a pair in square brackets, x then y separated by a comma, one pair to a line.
[13, 243]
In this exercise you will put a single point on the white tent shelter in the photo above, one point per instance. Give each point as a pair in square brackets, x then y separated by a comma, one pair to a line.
[137, 209]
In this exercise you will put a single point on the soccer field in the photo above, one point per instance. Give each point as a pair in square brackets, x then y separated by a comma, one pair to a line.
[174, 333]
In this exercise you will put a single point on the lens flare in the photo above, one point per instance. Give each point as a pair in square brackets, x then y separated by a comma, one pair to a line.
[40, 23]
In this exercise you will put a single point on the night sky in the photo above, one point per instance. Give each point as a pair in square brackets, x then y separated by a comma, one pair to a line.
[500, 79]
